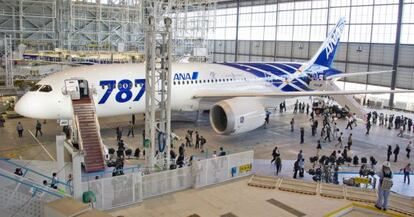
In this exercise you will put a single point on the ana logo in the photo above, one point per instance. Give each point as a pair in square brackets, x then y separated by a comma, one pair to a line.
[334, 37]
[185, 76]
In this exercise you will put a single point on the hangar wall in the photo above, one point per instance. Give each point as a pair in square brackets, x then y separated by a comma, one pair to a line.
[294, 30]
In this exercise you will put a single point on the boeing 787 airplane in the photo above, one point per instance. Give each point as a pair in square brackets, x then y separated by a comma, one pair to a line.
[237, 94]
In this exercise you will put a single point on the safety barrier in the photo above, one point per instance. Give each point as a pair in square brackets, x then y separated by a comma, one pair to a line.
[134, 187]
[10, 165]
[21, 197]
[264, 181]
[397, 202]
[220, 169]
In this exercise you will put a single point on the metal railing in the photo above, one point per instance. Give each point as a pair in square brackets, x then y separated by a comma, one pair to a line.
[28, 173]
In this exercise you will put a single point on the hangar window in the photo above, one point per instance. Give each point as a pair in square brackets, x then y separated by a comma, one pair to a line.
[46, 89]
[36, 87]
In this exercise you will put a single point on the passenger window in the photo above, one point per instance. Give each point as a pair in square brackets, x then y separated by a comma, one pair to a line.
[179, 82]
[46, 89]
[188, 82]
[36, 87]
[174, 82]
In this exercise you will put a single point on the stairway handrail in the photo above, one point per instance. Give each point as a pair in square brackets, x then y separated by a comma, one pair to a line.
[31, 184]
[98, 126]
[7, 160]
[80, 140]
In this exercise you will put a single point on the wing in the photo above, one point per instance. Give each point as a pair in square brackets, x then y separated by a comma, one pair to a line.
[344, 75]
[297, 94]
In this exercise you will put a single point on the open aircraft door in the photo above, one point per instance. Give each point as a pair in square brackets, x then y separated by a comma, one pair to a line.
[72, 88]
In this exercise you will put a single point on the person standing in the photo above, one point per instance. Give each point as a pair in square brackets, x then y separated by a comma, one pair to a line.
[328, 133]
[318, 148]
[396, 152]
[350, 141]
[2, 121]
[38, 128]
[143, 136]
[407, 170]
[278, 163]
[133, 119]
[389, 152]
[340, 138]
[300, 155]
[408, 149]
[118, 134]
[295, 169]
[267, 119]
[349, 122]
[131, 129]
[19, 128]
[368, 127]
[302, 168]
[335, 130]
[400, 134]
[55, 180]
[302, 135]
[384, 187]
[197, 142]
[307, 108]
[292, 123]
[202, 142]
[275, 154]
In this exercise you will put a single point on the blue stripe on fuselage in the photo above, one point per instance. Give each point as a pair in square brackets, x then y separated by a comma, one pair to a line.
[267, 68]
[286, 68]
[247, 67]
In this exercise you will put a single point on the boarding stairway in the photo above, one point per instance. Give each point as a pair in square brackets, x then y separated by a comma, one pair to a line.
[346, 101]
[89, 135]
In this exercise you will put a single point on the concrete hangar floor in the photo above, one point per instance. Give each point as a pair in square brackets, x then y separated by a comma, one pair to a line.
[235, 198]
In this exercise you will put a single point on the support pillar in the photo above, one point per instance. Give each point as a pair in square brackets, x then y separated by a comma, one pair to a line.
[77, 159]
[396, 53]
[60, 156]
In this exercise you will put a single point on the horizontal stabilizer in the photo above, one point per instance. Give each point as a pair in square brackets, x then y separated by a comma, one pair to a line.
[344, 75]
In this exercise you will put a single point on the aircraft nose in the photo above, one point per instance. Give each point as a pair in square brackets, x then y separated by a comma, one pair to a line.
[22, 107]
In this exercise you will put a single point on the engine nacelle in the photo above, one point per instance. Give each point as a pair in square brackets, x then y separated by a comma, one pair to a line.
[237, 115]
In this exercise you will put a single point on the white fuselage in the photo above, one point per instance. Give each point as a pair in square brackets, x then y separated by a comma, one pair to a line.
[217, 78]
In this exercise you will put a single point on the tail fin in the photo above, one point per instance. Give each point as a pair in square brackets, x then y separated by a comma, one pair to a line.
[327, 51]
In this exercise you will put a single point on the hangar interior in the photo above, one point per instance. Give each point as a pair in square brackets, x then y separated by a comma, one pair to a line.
[48, 174]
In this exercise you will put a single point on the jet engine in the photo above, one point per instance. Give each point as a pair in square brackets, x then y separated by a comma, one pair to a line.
[237, 115]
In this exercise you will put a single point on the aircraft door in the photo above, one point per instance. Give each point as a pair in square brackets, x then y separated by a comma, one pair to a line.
[72, 88]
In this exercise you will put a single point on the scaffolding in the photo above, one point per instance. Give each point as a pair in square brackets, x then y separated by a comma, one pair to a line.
[158, 93]
[103, 25]
[8, 61]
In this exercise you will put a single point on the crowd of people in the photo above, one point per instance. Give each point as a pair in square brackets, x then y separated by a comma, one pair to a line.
[192, 139]
[340, 143]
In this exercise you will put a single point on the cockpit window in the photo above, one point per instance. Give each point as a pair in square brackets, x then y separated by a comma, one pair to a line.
[46, 88]
[36, 87]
